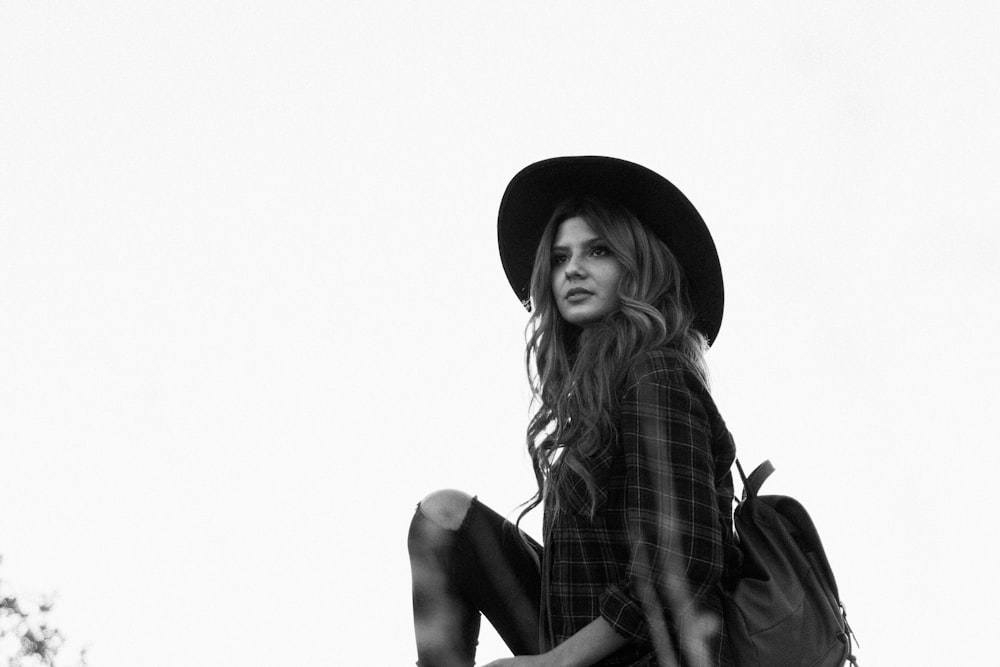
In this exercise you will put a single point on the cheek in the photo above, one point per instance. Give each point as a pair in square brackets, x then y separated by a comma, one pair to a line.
[613, 277]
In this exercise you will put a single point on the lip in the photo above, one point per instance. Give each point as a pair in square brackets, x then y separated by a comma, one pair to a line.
[577, 294]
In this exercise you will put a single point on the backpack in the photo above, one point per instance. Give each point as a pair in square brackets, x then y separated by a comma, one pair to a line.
[783, 608]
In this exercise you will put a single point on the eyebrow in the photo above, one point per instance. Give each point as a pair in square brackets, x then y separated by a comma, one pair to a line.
[586, 244]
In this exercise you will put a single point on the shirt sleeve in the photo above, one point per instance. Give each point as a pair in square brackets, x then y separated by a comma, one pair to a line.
[673, 520]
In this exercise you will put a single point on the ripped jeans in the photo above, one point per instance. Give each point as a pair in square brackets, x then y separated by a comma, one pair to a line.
[482, 567]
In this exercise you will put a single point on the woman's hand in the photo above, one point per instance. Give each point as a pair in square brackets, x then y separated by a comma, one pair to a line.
[543, 660]
[592, 643]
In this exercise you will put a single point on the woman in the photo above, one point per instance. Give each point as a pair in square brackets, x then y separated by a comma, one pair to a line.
[629, 452]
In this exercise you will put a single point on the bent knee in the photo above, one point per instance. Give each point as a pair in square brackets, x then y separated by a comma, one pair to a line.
[447, 507]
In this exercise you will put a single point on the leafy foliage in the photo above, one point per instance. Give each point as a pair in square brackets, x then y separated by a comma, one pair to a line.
[27, 638]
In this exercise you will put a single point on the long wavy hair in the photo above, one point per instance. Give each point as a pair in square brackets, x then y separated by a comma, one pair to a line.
[577, 373]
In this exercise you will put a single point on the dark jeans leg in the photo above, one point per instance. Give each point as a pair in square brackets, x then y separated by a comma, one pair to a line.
[482, 567]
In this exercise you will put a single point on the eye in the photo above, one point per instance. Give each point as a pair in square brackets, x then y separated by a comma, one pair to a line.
[559, 258]
[600, 251]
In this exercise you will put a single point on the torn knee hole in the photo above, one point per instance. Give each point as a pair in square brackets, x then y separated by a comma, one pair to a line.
[446, 508]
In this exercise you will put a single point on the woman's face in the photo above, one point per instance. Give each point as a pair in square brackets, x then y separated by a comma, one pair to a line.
[585, 274]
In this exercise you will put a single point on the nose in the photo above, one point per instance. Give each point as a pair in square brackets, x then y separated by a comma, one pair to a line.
[574, 267]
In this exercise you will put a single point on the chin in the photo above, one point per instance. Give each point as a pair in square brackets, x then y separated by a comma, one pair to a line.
[583, 319]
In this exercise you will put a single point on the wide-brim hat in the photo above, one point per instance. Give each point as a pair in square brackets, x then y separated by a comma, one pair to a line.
[533, 194]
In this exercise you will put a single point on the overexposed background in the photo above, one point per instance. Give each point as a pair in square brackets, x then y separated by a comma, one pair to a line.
[251, 308]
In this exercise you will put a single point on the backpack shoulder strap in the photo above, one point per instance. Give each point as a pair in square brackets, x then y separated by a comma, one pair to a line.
[752, 484]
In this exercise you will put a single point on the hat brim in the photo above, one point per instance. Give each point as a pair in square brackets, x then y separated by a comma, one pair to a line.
[533, 194]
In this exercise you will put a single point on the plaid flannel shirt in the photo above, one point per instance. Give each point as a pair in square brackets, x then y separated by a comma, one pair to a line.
[651, 558]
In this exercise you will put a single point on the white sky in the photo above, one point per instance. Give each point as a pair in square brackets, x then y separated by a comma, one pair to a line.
[251, 308]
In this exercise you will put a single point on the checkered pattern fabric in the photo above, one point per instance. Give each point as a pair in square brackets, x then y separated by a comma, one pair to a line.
[650, 560]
